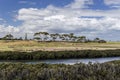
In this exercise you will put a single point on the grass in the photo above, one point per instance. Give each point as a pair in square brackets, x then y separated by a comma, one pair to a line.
[54, 46]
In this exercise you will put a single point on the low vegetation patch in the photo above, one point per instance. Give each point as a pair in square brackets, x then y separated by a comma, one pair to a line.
[40, 55]
[19, 71]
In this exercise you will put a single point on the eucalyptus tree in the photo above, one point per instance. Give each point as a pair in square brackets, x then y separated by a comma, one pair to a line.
[8, 37]
[54, 36]
[57, 35]
[74, 38]
[41, 36]
[71, 35]
[61, 37]
[81, 39]
[45, 35]
[96, 39]
[37, 36]
[66, 37]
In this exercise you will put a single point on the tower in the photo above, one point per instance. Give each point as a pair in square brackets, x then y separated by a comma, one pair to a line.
[26, 36]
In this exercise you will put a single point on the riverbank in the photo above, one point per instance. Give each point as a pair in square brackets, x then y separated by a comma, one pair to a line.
[97, 71]
[43, 55]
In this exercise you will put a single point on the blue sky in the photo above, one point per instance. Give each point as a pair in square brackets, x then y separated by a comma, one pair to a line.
[9, 8]
[83, 17]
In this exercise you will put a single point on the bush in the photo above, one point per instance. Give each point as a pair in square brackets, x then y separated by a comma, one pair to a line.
[40, 55]
[19, 71]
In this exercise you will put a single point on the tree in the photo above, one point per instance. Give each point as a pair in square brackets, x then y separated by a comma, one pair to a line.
[37, 36]
[96, 39]
[45, 35]
[8, 37]
[66, 36]
[41, 36]
[101, 41]
[20, 38]
[81, 39]
[74, 38]
[71, 35]
[54, 36]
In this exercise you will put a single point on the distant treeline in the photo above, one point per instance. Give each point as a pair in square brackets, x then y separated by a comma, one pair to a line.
[70, 37]
[19, 71]
[40, 55]
[45, 36]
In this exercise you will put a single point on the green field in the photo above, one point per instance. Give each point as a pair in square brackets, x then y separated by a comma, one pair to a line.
[54, 46]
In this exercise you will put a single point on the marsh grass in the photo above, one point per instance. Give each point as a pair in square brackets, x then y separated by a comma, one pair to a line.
[56, 46]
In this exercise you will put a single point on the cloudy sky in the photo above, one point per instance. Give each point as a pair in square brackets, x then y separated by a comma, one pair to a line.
[92, 18]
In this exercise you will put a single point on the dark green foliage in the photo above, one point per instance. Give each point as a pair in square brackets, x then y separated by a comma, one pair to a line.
[40, 55]
[114, 62]
[70, 37]
[19, 71]
[8, 37]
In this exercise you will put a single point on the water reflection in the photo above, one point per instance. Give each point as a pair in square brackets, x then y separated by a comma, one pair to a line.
[67, 61]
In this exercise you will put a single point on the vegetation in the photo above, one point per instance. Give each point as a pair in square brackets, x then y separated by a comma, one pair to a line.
[19, 71]
[57, 46]
[114, 62]
[45, 36]
[8, 37]
[26, 46]
[39, 55]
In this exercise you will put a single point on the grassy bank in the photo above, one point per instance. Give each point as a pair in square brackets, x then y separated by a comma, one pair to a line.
[39, 55]
[54, 46]
[19, 71]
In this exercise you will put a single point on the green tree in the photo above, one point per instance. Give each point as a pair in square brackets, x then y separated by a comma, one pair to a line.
[8, 37]
[54, 36]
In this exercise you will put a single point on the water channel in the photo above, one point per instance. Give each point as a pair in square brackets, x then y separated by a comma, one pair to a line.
[66, 61]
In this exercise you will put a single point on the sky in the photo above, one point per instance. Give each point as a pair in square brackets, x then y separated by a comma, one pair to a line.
[91, 18]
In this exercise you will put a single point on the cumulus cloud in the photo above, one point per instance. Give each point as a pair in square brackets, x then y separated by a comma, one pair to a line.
[113, 3]
[60, 21]
[80, 4]
[5, 29]
[68, 19]
[27, 2]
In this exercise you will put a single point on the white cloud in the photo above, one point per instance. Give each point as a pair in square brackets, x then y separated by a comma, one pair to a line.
[4, 29]
[55, 17]
[27, 2]
[79, 4]
[109, 2]
[9, 28]
[22, 2]
[113, 3]
[34, 20]
[67, 19]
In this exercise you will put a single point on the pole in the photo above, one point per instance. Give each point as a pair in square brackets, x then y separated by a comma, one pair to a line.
[25, 36]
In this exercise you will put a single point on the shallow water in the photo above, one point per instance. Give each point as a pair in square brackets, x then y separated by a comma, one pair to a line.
[67, 61]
